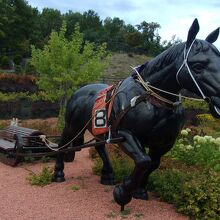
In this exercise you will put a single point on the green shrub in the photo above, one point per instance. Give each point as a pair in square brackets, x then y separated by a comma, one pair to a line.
[18, 69]
[167, 184]
[30, 69]
[5, 62]
[75, 188]
[6, 97]
[189, 104]
[200, 196]
[122, 166]
[29, 159]
[194, 149]
[196, 194]
[41, 179]
[17, 59]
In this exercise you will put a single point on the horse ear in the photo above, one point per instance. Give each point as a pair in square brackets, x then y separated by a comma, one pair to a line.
[212, 37]
[193, 31]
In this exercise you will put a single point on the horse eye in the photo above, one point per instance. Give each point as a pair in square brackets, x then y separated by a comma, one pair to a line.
[198, 67]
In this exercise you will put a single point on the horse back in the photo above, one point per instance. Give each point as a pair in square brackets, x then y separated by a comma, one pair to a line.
[79, 107]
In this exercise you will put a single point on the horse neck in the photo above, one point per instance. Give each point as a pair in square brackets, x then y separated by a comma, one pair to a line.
[161, 71]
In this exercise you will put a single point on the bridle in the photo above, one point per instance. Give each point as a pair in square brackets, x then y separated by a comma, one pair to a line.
[149, 87]
[185, 58]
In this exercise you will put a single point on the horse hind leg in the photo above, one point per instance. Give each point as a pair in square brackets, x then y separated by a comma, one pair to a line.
[107, 175]
[70, 155]
[66, 137]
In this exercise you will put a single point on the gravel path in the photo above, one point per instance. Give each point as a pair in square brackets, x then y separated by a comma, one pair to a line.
[19, 200]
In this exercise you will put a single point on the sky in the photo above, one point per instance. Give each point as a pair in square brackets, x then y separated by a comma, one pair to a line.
[175, 17]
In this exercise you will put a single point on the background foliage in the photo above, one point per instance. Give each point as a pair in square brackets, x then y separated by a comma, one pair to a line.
[22, 26]
[63, 65]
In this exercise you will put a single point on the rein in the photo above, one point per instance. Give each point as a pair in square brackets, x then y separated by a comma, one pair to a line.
[149, 90]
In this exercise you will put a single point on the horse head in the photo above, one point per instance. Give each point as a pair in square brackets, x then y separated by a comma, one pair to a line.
[199, 69]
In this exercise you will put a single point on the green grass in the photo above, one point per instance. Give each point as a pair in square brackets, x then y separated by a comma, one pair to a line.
[75, 188]
[41, 179]
[119, 67]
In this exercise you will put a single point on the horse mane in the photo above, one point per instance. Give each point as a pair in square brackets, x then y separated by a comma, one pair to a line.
[163, 59]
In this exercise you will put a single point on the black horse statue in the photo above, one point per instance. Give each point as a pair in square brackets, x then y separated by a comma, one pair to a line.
[157, 118]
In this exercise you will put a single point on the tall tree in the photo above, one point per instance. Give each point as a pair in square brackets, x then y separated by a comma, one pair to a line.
[26, 27]
[5, 21]
[113, 26]
[63, 64]
[114, 33]
[16, 25]
[150, 36]
[50, 20]
[149, 30]
[91, 26]
[71, 18]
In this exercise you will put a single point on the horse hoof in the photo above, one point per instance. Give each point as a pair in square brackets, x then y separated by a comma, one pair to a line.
[108, 179]
[121, 196]
[58, 179]
[140, 193]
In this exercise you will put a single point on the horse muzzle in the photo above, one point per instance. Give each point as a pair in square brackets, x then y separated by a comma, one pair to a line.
[214, 106]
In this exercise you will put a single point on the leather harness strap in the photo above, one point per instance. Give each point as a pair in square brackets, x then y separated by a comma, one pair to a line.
[142, 98]
[114, 121]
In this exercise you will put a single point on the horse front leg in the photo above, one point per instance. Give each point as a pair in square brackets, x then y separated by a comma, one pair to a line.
[107, 175]
[131, 146]
[169, 128]
[141, 192]
[155, 154]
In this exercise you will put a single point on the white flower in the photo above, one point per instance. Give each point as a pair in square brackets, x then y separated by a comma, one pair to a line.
[217, 141]
[181, 140]
[181, 146]
[208, 138]
[212, 140]
[196, 137]
[198, 146]
[189, 147]
[202, 140]
[184, 132]
[188, 130]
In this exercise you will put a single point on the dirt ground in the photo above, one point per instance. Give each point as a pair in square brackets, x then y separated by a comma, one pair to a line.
[90, 200]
